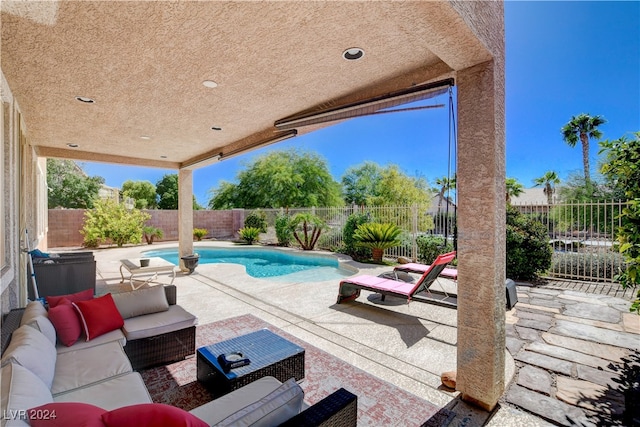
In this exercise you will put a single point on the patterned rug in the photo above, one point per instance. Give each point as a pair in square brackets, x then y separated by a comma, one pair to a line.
[379, 403]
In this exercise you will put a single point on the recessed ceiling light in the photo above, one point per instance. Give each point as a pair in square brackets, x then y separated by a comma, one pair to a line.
[353, 53]
[216, 128]
[73, 145]
[145, 137]
[209, 84]
[85, 99]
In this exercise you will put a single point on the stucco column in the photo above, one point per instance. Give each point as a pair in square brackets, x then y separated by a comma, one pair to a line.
[185, 213]
[481, 234]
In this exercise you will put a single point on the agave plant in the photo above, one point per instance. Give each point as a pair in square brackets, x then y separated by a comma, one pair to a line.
[377, 237]
[249, 234]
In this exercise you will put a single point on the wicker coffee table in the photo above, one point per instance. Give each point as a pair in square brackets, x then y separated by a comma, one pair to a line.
[270, 355]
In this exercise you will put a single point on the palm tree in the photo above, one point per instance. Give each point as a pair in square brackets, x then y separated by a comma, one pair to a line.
[444, 184]
[581, 128]
[377, 237]
[549, 179]
[514, 188]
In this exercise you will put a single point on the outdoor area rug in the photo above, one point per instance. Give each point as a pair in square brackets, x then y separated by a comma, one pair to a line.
[379, 402]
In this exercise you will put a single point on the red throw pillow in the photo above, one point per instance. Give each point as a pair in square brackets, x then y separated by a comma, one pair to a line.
[66, 321]
[99, 316]
[85, 295]
[64, 414]
[151, 415]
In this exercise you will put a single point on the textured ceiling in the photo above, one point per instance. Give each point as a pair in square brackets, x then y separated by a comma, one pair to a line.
[144, 63]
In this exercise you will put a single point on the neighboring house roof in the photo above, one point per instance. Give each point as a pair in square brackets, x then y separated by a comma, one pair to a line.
[435, 200]
[532, 196]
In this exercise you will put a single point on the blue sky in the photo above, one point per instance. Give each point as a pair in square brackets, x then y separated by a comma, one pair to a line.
[562, 59]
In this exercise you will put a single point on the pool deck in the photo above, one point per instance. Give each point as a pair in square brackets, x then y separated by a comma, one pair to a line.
[408, 345]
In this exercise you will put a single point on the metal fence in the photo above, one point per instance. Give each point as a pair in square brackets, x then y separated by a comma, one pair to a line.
[583, 236]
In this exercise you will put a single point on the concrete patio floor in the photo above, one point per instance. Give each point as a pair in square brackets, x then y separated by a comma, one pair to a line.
[406, 345]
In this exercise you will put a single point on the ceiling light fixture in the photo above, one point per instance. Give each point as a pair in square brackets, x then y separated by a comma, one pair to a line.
[85, 99]
[272, 140]
[163, 157]
[353, 54]
[145, 137]
[210, 84]
[366, 106]
[216, 128]
[73, 145]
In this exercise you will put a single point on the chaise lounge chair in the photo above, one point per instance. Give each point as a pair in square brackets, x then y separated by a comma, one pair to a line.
[413, 267]
[350, 288]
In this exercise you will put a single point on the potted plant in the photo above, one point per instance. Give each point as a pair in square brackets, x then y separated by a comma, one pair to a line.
[377, 237]
[151, 233]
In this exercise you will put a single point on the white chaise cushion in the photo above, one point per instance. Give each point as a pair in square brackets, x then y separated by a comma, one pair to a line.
[125, 390]
[21, 390]
[174, 319]
[31, 349]
[265, 399]
[90, 365]
[141, 302]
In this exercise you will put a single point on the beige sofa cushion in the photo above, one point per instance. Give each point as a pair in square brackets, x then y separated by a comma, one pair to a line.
[31, 349]
[125, 390]
[31, 311]
[220, 409]
[44, 325]
[21, 390]
[174, 319]
[90, 365]
[140, 302]
[113, 336]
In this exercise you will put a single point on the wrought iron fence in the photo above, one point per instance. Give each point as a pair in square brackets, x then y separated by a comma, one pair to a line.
[582, 234]
[583, 237]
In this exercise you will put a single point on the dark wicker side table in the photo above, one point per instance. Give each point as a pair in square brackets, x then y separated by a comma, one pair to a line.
[270, 355]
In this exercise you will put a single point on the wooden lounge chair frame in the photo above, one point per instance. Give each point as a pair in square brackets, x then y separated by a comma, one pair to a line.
[349, 289]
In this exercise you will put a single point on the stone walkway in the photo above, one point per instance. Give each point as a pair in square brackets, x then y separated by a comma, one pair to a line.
[570, 349]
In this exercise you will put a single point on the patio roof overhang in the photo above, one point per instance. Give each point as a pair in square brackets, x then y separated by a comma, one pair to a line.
[144, 64]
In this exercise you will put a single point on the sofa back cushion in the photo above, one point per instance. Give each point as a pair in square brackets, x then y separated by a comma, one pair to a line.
[21, 390]
[31, 349]
[44, 325]
[141, 302]
[99, 316]
[32, 310]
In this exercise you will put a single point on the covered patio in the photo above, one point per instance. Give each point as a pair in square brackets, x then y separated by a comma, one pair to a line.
[181, 85]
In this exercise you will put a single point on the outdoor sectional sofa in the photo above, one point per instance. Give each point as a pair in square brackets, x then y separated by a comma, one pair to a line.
[95, 379]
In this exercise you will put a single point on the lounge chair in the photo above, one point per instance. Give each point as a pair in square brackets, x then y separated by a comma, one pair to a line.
[414, 267]
[350, 288]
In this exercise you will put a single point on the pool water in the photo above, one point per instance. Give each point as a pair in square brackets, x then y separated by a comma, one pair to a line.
[266, 263]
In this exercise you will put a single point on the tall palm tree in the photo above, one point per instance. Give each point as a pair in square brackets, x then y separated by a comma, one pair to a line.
[549, 180]
[444, 184]
[514, 188]
[581, 128]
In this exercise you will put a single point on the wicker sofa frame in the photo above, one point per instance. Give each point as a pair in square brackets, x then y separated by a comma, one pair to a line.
[339, 409]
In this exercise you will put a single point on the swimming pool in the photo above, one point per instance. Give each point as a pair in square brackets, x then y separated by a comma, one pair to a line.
[267, 263]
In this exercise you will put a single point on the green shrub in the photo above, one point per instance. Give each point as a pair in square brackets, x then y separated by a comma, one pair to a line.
[429, 247]
[528, 249]
[257, 219]
[150, 233]
[249, 234]
[350, 246]
[284, 233]
[377, 237]
[199, 233]
[110, 221]
[328, 238]
[584, 266]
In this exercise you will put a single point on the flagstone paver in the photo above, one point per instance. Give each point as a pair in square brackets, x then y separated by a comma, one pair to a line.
[569, 373]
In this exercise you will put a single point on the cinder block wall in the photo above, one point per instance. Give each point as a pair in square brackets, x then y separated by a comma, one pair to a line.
[65, 225]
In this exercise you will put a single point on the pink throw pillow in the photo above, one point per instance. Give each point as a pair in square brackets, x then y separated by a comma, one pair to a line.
[85, 295]
[151, 415]
[99, 316]
[64, 414]
[66, 321]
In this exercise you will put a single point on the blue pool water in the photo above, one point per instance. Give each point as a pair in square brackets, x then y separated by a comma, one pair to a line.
[266, 263]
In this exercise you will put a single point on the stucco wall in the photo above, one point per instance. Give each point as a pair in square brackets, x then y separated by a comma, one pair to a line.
[65, 225]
